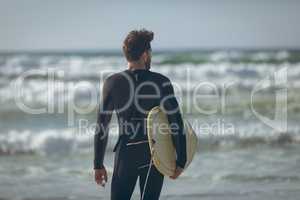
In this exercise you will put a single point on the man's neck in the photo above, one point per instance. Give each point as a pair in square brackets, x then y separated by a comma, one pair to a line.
[136, 65]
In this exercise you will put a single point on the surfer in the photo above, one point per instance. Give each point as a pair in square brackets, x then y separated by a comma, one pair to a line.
[131, 94]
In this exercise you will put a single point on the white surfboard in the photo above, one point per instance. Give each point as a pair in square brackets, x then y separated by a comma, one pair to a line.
[161, 145]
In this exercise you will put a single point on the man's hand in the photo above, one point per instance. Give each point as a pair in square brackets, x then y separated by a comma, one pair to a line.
[177, 172]
[101, 176]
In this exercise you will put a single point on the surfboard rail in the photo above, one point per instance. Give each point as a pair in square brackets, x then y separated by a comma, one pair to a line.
[161, 146]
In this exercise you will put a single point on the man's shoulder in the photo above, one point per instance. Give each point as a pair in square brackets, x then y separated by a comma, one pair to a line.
[111, 79]
[160, 76]
[120, 75]
[115, 76]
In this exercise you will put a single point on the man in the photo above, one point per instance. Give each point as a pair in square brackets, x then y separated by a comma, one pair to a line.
[131, 94]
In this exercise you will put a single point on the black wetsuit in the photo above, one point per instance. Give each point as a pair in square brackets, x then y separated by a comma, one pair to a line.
[131, 94]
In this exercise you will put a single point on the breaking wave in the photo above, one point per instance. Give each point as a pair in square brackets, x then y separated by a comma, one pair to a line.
[67, 141]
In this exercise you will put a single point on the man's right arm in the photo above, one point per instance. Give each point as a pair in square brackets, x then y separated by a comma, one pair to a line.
[103, 118]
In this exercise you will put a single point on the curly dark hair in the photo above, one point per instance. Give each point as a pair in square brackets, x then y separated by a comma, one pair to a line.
[136, 43]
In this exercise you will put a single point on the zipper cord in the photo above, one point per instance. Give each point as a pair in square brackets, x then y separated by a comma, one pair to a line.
[147, 177]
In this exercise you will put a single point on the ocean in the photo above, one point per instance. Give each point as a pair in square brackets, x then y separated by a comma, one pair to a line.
[244, 106]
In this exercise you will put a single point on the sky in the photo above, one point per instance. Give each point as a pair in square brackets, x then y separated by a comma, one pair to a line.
[102, 25]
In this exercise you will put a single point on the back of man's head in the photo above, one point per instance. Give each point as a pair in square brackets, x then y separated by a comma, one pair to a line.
[136, 43]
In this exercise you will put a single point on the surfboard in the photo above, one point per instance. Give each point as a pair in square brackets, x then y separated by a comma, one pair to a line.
[161, 145]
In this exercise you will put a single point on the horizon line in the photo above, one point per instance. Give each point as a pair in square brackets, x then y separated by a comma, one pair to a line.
[156, 50]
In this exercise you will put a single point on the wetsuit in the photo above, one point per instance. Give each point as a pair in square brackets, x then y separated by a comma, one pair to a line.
[131, 94]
